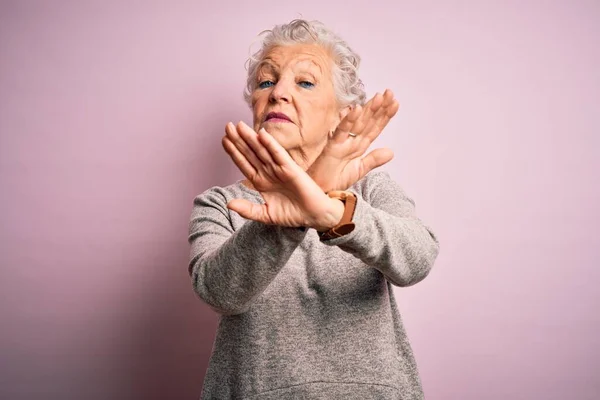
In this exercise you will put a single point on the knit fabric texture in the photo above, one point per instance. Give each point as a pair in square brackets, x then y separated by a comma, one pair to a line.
[303, 318]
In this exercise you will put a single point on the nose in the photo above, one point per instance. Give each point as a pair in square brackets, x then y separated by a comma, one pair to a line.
[280, 92]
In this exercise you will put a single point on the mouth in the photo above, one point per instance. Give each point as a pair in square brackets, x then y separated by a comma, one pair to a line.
[277, 117]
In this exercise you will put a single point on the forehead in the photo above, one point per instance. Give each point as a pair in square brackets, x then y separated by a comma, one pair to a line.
[310, 56]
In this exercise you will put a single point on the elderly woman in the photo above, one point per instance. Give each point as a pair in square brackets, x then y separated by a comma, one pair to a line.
[300, 258]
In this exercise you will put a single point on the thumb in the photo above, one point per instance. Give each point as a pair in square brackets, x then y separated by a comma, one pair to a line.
[249, 210]
[375, 159]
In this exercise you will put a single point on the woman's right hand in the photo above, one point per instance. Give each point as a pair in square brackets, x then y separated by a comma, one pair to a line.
[341, 164]
[292, 198]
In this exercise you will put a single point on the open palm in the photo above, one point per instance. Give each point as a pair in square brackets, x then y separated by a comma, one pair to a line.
[292, 198]
[340, 164]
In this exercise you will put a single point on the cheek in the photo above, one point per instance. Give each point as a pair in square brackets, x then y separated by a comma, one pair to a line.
[325, 103]
[326, 110]
[258, 104]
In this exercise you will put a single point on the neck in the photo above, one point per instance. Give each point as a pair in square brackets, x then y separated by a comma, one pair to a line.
[306, 156]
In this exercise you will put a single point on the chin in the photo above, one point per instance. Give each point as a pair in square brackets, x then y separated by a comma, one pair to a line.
[279, 129]
[285, 139]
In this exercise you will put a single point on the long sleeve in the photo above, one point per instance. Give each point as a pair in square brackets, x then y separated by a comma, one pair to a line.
[229, 269]
[388, 235]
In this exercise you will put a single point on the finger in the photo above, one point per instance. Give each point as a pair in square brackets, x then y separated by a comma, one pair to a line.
[363, 120]
[388, 97]
[375, 159]
[375, 125]
[390, 104]
[349, 123]
[249, 210]
[238, 158]
[377, 101]
[380, 120]
[232, 133]
[279, 155]
[251, 138]
[393, 109]
[342, 130]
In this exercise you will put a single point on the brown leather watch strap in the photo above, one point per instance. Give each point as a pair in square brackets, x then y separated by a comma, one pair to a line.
[345, 225]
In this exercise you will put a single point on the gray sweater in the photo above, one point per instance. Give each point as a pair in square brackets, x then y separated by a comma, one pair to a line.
[302, 318]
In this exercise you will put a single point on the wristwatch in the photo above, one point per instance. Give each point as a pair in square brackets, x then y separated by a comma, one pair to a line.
[345, 225]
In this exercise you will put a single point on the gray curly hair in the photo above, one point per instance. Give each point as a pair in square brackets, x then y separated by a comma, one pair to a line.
[348, 87]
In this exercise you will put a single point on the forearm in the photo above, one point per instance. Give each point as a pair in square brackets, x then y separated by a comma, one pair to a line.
[401, 248]
[388, 235]
[230, 277]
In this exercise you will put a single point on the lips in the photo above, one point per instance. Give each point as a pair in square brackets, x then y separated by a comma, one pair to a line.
[278, 116]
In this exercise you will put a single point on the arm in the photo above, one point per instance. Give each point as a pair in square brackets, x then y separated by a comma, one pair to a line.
[230, 269]
[388, 235]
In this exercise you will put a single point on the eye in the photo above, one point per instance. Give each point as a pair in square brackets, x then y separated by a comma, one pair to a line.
[265, 84]
[306, 84]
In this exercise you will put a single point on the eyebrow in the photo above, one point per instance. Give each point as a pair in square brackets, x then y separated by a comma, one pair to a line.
[312, 75]
[272, 67]
[266, 63]
[318, 66]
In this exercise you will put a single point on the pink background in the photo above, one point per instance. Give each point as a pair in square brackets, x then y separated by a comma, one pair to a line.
[111, 115]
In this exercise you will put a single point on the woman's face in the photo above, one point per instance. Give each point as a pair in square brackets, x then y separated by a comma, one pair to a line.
[294, 98]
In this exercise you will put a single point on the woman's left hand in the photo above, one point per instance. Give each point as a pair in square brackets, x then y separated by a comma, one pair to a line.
[292, 197]
[341, 164]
